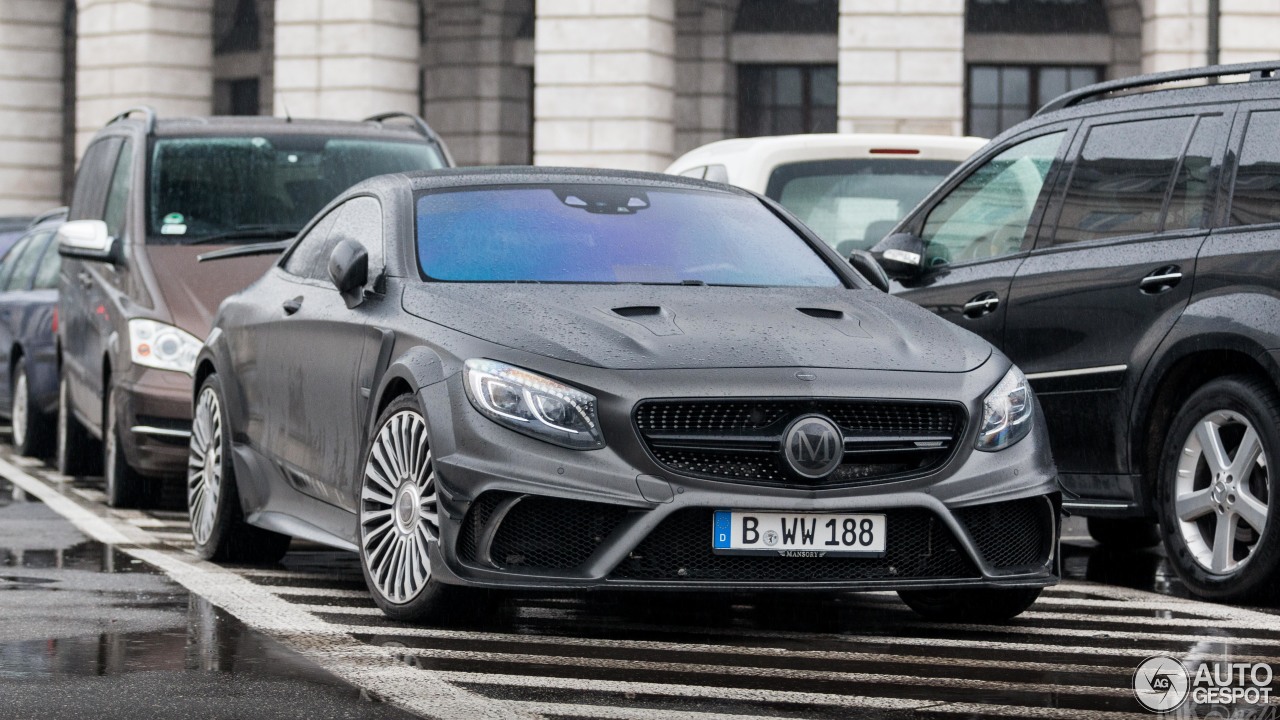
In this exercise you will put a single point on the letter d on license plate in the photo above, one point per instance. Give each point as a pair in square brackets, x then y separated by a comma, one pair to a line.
[797, 534]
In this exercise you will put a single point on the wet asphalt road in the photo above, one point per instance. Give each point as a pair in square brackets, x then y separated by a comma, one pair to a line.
[131, 624]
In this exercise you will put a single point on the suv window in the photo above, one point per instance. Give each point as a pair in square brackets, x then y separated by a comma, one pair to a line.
[118, 194]
[1121, 179]
[11, 259]
[91, 185]
[312, 251]
[50, 265]
[1191, 203]
[986, 215]
[24, 262]
[1256, 198]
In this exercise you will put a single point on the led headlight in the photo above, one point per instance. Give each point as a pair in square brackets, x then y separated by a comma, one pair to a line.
[1006, 413]
[532, 404]
[164, 347]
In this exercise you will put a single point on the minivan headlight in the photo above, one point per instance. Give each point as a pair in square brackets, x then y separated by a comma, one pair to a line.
[532, 404]
[162, 346]
[1006, 413]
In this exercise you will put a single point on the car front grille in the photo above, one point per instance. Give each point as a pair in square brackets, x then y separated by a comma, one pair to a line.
[918, 546]
[537, 533]
[1015, 535]
[741, 439]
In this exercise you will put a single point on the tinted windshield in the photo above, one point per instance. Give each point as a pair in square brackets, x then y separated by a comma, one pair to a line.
[853, 204]
[206, 186]
[611, 234]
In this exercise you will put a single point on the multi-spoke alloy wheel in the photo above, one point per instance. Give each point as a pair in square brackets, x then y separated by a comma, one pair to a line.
[204, 465]
[398, 508]
[1217, 493]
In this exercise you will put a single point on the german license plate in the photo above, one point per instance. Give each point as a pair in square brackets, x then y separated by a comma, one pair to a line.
[739, 532]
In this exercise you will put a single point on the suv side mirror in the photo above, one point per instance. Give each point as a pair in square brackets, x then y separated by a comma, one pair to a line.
[86, 240]
[865, 263]
[349, 270]
[901, 255]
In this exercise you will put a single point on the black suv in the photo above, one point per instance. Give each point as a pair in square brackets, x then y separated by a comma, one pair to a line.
[151, 196]
[1123, 248]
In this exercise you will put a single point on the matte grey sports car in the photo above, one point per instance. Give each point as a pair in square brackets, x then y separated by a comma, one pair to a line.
[527, 378]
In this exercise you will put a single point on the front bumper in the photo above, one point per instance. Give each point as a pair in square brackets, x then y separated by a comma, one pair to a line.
[155, 417]
[520, 513]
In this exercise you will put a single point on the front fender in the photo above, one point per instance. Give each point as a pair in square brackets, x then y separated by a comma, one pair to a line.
[417, 368]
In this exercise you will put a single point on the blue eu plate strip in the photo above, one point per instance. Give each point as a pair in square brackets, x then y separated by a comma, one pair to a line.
[722, 527]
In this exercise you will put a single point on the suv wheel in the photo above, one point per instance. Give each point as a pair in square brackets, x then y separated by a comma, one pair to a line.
[32, 429]
[213, 500]
[971, 605]
[1124, 533]
[1217, 492]
[399, 521]
[76, 451]
[123, 485]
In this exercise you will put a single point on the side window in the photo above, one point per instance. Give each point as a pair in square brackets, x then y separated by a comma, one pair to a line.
[12, 258]
[1256, 197]
[986, 215]
[91, 180]
[1121, 179]
[118, 194]
[50, 266]
[25, 262]
[313, 246]
[361, 220]
[1191, 203]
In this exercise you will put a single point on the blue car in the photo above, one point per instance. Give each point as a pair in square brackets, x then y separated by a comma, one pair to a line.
[28, 331]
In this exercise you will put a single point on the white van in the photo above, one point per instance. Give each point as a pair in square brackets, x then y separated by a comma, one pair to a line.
[850, 189]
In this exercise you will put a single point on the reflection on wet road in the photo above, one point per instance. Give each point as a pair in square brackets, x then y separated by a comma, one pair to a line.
[657, 655]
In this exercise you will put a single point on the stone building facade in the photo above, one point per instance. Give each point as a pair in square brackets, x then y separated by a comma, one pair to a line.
[619, 83]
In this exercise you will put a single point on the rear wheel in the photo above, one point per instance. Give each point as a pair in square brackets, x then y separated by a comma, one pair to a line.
[213, 500]
[33, 431]
[124, 486]
[1124, 533]
[76, 453]
[971, 605]
[1217, 494]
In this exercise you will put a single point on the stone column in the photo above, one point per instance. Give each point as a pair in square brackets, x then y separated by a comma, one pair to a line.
[346, 59]
[142, 52]
[706, 87]
[902, 66]
[605, 83]
[31, 105]
[1174, 34]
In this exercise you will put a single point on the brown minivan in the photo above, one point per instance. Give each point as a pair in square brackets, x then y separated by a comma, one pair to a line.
[151, 196]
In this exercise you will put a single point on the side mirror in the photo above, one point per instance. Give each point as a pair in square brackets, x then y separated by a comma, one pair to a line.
[349, 270]
[900, 254]
[865, 263]
[86, 240]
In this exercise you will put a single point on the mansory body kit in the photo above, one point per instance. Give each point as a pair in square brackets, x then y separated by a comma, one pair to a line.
[532, 378]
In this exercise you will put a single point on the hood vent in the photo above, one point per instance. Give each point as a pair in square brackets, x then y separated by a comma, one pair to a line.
[823, 313]
[657, 320]
[838, 320]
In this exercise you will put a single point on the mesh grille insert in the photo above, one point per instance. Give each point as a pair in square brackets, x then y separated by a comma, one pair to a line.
[1015, 534]
[539, 532]
[918, 545]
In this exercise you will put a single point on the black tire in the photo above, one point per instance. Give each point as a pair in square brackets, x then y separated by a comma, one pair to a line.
[33, 430]
[76, 452]
[123, 486]
[229, 537]
[1225, 408]
[970, 605]
[434, 601]
[1124, 533]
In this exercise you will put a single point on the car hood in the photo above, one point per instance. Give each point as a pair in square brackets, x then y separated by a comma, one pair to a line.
[192, 290]
[636, 327]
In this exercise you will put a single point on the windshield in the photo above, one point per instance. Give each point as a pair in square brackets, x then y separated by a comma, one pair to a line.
[611, 234]
[853, 204]
[212, 186]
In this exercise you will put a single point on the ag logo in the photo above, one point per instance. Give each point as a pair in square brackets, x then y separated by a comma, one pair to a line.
[813, 446]
[1160, 683]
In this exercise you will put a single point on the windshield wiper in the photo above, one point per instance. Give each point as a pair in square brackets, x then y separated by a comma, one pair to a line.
[249, 232]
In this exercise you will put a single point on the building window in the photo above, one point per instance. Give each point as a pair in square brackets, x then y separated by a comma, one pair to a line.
[786, 99]
[237, 97]
[1001, 96]
[237, 27]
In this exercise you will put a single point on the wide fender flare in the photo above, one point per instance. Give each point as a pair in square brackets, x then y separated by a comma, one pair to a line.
[417, 368]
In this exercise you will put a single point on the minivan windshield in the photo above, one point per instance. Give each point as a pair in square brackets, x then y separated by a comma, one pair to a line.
[611, 234]
[852, 204]
[262, 187]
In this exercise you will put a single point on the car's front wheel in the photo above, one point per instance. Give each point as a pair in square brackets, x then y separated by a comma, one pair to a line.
[32, 430]
[971, 605]
[1217, 494]
[400, 521]
[213, 500]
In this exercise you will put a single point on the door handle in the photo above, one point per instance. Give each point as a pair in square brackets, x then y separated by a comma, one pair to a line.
[981, 305]
[86, 280]
[1161, 280]
[292, 305]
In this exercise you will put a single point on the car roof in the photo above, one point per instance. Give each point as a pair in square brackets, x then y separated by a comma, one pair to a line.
[265, 125]
[749, 162]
